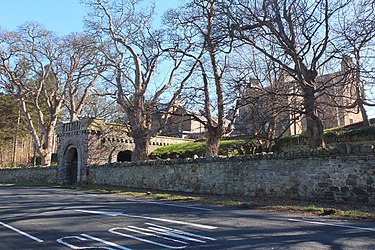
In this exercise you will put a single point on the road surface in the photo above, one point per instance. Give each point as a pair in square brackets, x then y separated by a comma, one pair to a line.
[46, 218]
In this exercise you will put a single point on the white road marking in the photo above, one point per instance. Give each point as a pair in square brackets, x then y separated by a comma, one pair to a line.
[61, 241]
[113, 230]
[147, 218]
[172, 205]
[333, 225]
[161, 232]
[171, 234]
[165, 232]
[150, 232]
[21, 232]
[171, 221]
[100, 212]
[179, 232]
[105, 242]
[84, 238]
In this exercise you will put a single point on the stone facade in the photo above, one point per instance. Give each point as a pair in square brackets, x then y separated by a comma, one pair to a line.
[337, 90]
[93, 141]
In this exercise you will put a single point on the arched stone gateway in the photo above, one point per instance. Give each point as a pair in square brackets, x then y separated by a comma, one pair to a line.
[71, 166]
[124, 156]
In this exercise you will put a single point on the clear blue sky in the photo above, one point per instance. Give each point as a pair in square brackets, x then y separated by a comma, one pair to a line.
[60, 16]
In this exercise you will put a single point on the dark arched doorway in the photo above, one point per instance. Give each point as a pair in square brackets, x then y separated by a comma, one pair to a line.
[71, 165]
[124, 156]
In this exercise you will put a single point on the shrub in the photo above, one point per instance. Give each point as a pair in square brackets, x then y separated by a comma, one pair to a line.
[181, 150]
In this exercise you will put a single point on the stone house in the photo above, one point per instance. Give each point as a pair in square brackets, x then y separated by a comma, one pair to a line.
[280, 105]
[182, 122]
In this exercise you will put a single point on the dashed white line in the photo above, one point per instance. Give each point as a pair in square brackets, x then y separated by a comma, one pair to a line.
[333, 225]
[21, 232]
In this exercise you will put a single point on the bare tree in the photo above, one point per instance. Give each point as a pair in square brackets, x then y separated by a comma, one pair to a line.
[300, 31]
[103, 106]
[134, 55]
[198, 24]
[266, 104]
[356, 32]
[81, 67]
[27, 70]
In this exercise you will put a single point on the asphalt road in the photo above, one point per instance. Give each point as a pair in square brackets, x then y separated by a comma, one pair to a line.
[45, 218]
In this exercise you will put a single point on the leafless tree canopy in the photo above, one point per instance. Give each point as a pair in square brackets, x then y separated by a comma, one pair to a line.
[199, 25]
[261, 64]
[134, 54]
[45, 71]
[297, 36]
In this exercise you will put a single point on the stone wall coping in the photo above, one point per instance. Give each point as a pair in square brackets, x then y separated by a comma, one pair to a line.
[172, 138]
[346, 151]
[343, 150]
[29, 167]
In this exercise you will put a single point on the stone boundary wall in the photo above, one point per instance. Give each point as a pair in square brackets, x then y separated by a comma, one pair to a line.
[306, 176]
[345, 173]
[29, 174]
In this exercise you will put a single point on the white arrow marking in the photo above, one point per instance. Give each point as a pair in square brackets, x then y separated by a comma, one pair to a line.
[147, 218]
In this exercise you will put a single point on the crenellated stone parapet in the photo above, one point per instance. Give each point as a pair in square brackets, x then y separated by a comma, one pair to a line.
[86, 125]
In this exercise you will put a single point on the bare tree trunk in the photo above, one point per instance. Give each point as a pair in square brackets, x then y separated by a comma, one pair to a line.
[359, 90]
[361, 107]
[47, 148]
[46, 157]
[15, 144]
[141, 147]
[74, 116]
[213, 141]
[271, 133]
[315, 126]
